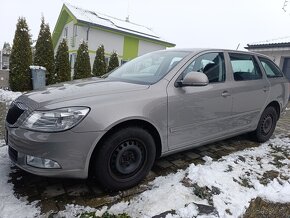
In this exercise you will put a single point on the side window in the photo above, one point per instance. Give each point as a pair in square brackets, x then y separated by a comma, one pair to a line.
[270, 68]
[211, 64]
[245, 67]
[65, 33]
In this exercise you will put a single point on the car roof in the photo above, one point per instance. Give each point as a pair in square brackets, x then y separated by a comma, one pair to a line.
[198, 50]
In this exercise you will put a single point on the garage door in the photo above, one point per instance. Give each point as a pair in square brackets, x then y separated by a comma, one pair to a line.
[286, 67]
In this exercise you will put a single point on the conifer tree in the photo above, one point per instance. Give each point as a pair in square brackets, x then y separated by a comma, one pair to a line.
[100, 67]
[82, 67]
[62, 65]
[44, 54]
[21, 58]
[114, 61]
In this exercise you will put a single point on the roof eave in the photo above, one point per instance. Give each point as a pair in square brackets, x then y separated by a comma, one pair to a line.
[158, 41]
[270, 45]
[56, 34]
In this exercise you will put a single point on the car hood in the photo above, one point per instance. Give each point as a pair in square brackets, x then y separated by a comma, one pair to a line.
[75, 90]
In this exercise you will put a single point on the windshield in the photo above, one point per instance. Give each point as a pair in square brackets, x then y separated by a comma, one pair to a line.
[149, 68]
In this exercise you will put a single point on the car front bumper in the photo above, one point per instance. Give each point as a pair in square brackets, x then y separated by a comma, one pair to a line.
[71, 150]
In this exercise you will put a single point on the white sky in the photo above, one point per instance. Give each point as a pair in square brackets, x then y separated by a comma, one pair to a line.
[187, 23]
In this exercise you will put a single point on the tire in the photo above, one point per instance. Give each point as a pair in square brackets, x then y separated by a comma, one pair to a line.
[124, 159]
[266, 125]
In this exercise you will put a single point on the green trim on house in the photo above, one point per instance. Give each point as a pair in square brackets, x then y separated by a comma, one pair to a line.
[64, 18]
[130, 48]
[94, 52]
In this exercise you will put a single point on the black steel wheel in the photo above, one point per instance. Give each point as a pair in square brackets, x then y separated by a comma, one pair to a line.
[125, 158]
[266, 125]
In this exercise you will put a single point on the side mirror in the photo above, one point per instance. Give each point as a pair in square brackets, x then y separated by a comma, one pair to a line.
[194, 79]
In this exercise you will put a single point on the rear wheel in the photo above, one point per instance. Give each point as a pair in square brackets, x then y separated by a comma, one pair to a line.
[125, 158]
[266, 125]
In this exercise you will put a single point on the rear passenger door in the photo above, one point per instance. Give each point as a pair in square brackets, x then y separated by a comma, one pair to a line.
[249, 89]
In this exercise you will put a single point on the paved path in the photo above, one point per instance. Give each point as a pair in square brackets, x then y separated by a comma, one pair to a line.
[54, 194]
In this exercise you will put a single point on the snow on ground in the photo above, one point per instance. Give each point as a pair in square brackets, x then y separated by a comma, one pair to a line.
[10, 205]
[240, 177]
[167, 193]
[8, 96]
[2, 142]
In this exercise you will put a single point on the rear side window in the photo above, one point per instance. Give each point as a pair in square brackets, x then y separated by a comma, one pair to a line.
[270, 68]
[245, 67]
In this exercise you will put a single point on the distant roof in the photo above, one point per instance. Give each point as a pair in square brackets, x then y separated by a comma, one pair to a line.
[273, 43]
[105, 21]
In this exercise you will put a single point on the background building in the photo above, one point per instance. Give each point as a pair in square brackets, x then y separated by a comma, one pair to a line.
[277, 50]
[129, 40]
[4, 56]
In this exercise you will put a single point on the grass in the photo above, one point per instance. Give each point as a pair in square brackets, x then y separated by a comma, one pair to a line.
[261, 208]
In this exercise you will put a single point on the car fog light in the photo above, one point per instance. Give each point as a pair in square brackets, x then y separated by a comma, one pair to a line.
[41, 162]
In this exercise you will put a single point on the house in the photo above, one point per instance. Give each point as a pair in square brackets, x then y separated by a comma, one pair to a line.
[128, 39]
[278, 50]
[5, 56]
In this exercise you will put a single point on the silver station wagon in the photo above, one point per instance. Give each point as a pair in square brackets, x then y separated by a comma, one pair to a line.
[155, 105]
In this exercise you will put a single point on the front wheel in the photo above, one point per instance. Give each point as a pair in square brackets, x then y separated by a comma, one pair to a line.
[266, 125]
[125, 158]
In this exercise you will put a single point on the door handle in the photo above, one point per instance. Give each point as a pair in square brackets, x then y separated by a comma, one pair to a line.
[266, 88]
[226, 94]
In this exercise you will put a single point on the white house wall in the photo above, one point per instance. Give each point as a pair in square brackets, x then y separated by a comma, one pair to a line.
[276, 54]
[112, 42]
[69, 27]
[145, 47]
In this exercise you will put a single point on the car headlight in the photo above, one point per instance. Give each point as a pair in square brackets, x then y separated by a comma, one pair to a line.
[55, 120]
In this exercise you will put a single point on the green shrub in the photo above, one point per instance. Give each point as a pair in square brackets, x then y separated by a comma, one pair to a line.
[100, 67]
[62, 65]
[114, 62]
[82, 67]
[44, 54]
[21, 58]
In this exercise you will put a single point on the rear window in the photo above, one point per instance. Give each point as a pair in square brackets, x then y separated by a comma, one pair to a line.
[270, 68]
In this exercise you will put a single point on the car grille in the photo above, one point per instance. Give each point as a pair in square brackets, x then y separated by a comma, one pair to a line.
[14, 113]
[13, 154]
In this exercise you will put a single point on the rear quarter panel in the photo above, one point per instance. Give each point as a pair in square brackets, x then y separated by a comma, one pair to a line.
[279, 91]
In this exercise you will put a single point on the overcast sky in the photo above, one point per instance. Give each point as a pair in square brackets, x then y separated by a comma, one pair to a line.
[187, 23]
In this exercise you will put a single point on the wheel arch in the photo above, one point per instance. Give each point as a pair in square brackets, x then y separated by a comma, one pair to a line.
[277, 106]
[133, 122]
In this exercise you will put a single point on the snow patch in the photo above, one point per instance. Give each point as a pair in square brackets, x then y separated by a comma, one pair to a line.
[242, 183]
[189, 211]
[11, 206]
[37, 67]
[2, 143]
[8, 96]
[72, 210]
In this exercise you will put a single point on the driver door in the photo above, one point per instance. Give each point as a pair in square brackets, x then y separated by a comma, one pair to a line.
[199, 113]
